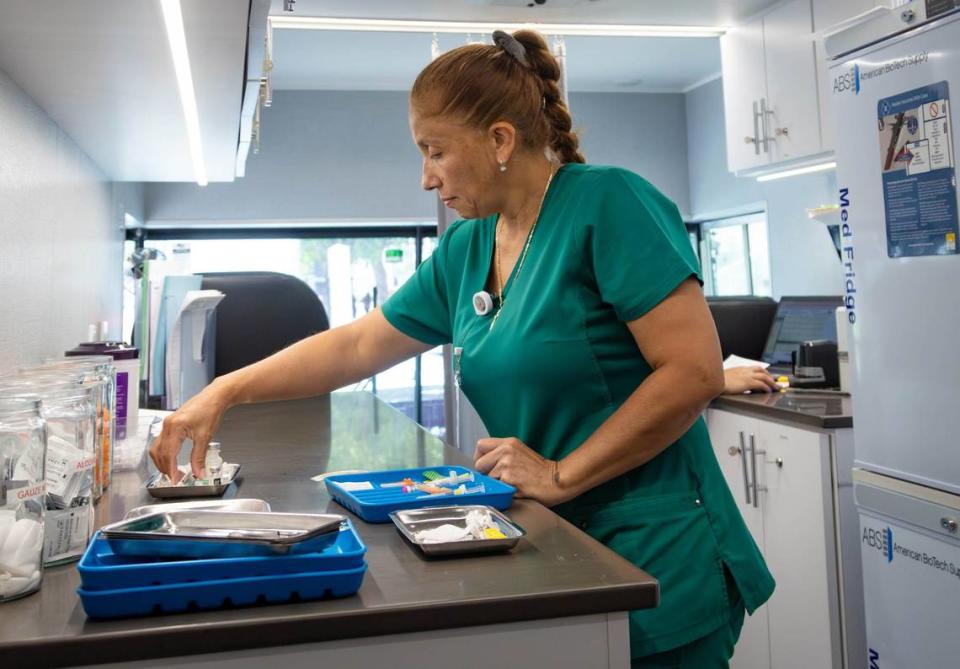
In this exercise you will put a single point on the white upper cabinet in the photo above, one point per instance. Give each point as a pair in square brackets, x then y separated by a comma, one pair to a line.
[794, 119]
[744, 85]
[770, 89]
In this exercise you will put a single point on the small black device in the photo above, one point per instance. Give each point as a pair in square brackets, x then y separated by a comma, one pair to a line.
[819, 359]
[798, 320]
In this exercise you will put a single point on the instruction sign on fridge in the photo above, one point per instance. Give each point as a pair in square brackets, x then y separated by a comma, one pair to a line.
[918, 171]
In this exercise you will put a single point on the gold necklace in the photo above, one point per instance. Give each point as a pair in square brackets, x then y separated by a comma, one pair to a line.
[523, 254]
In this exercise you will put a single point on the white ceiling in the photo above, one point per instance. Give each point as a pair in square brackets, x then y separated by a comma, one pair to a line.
[306, 59]
[659, 12]
[334, 60]
[102, 70]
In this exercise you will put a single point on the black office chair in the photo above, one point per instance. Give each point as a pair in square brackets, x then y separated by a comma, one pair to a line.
[261, 313]
[743, 323]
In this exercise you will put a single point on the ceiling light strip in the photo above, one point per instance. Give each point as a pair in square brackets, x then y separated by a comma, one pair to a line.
[459, 27]
[173, 20]
[783, 174]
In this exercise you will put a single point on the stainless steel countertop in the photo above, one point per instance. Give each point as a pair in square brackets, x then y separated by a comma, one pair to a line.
[555, 571]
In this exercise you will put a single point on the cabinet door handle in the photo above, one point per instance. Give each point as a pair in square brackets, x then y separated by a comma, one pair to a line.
[753, 468]
[764, 112]
[743, 463]
[756, 137]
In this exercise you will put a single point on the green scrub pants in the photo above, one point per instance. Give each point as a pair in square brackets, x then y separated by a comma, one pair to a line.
[712, 651]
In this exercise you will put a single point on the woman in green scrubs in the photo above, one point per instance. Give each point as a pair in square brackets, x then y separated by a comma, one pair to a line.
[572, 298]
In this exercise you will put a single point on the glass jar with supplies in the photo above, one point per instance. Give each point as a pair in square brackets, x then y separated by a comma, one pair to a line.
[68, 410]
[81, 376]
[126, 359]
[23, 445]
[97, 369]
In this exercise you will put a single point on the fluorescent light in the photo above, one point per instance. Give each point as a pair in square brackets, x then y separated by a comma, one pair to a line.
[173, 20]
[384, 25]
[783, 174]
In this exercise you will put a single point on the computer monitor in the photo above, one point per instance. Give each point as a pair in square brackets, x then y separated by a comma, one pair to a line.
[800, 319]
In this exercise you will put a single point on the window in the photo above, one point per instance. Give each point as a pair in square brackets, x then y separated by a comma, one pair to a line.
[736, 255]
[351, 273]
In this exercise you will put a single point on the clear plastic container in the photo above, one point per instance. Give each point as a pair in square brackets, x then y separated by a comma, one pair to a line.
[23, 445]
[68, 410]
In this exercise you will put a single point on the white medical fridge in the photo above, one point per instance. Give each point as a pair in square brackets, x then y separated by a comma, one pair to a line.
[895, 80]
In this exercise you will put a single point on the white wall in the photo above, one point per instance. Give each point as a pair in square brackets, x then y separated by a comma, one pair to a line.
[802, 256]
[646, 133]
[348, 155]
[60, 237]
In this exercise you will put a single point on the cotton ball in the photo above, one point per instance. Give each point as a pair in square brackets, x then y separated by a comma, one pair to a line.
[7, 518]
[20, 553]
[17, 585]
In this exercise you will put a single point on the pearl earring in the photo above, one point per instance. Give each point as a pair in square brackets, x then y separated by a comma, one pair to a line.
[503, 166]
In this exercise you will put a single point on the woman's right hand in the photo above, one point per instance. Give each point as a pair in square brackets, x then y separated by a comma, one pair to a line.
[738, 380]
[197, 420]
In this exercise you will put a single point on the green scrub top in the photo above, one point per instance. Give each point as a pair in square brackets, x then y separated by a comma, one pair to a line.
[607, 248]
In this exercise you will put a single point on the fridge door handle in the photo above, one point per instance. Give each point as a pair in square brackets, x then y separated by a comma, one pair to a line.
[743, 463]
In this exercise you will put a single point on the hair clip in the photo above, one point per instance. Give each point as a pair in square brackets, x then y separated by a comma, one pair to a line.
[509, 43]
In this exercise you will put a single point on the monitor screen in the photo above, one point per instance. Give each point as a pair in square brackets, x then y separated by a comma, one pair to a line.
[800, 319]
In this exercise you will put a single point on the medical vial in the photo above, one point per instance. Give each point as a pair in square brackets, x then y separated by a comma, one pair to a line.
[213, 463]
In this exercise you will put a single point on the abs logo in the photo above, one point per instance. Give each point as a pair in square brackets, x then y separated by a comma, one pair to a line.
[848, 82]
[879, 540]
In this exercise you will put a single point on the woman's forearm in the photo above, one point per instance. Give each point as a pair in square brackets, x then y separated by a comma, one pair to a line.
[655, 415]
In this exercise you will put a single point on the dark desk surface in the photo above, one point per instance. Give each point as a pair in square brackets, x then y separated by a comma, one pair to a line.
[557, 570]
[819, 410]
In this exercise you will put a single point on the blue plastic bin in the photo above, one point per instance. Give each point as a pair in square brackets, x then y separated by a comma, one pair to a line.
[224, 593]
[102, 569]
[374, 506]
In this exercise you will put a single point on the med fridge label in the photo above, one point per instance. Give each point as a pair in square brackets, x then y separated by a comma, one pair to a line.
[918, 172]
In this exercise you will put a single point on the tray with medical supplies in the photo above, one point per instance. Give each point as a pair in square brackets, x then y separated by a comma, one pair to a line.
[458, 530]
[116, 586]
[159, 486]
[219, 534]
[373, 495]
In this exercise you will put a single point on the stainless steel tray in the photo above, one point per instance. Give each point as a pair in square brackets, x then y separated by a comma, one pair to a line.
[222, 534]
[411, 521]
[256, 505]
[184, 491]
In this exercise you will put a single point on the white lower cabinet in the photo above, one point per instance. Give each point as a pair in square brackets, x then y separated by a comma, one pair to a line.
[783, 478]
[730, 434]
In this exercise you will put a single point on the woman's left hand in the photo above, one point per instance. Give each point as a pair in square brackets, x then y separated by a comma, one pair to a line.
[515, 463]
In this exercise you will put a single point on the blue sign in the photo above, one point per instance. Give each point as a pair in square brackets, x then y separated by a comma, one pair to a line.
[918, 171]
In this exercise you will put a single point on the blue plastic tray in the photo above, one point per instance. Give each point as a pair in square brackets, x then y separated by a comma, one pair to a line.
[225, 593]
[375, 505]
[102, 569]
